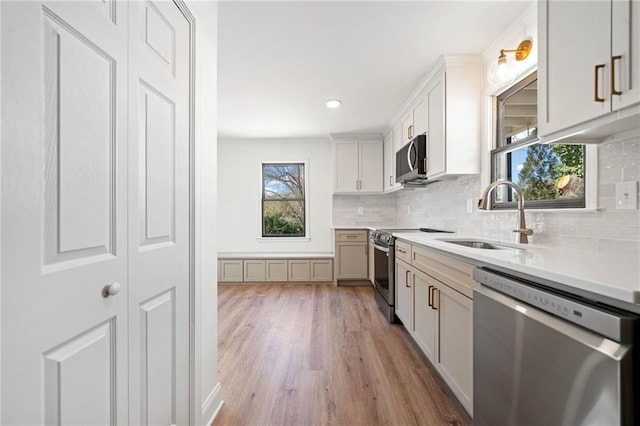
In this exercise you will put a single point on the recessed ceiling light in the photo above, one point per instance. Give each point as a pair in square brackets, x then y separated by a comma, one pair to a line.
[333, 103]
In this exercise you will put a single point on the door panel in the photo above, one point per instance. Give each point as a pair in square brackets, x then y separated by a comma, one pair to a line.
[159, 227]
[157, 124]
[64, 116]
[79, 378]
[79, 163]
[158, 349]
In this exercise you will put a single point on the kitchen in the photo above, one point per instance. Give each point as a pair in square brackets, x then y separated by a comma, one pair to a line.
[599, 232]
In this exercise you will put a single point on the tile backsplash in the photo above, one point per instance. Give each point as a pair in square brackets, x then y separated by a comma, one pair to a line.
[444, 205]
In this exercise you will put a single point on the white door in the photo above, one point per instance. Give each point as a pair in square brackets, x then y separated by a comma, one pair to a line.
[64, 218]
[95, 192]
[158, 213]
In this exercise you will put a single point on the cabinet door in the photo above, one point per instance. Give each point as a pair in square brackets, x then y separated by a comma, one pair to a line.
[276, 270]
[321, 270]
[298, 270]
[455, 336]
[352, 261]
[404, 295]
[569, 78]
[346, 166]
[625, 43]
[370, 166]
[420, 117]
[406, 132]
[436, 124]
[255, 270]
[230, 271]
[424, 313]
[388, 178]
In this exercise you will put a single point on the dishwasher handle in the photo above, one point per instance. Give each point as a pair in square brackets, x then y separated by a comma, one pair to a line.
[612, 324]
[611, 349]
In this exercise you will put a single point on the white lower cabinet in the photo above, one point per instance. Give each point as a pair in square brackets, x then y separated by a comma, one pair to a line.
[404, 294]
[425, 323]
[455, 336]
[438, 313]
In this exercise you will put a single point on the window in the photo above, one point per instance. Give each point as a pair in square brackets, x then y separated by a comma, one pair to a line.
[283, 200]
[550, 176]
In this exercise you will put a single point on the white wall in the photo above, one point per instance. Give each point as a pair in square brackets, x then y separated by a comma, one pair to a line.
[239, 192]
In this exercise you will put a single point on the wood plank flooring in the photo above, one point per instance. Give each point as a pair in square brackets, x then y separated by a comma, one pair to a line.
[321, 355]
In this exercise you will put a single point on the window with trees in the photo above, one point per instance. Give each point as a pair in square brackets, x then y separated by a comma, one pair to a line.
[283, 200]
[550, 176]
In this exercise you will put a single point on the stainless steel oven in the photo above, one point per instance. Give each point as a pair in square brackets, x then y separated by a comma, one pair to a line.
[541, 357]
[384, 264]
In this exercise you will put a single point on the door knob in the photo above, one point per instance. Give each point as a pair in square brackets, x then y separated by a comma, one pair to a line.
[110, 289]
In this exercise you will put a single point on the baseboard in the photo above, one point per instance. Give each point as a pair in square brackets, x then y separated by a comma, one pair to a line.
[212, 405]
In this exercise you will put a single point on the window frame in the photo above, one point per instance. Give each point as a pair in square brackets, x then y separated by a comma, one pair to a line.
[500, 148]
[305, 202]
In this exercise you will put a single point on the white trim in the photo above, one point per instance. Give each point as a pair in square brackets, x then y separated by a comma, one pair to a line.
[307, 202]
[1, 221]
[283, 239]
[212, 405]
[204, 315]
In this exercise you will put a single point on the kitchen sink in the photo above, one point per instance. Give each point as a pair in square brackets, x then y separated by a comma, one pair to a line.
[480, 244]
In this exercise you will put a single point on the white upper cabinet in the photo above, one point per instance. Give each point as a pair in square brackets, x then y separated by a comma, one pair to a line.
[436, 136]
[357, 165]
[588, 66]
[390, 148]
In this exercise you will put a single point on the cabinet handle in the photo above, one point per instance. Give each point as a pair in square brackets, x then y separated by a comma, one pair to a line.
[432, 293]
[401, 251]
[597, 98]
[411, 132]
[390, 178]
[424, 163]
[352, 236]
[407, 280]
[613, 75]
[429, 298]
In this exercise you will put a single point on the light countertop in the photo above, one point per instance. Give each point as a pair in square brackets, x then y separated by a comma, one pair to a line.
[602, 276]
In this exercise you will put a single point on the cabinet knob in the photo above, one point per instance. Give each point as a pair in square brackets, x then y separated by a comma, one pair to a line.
[110, 290]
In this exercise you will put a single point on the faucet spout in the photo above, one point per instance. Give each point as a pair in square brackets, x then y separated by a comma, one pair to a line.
[522, 232]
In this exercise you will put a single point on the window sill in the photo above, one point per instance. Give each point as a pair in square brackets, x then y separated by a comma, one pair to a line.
[569, 210]
[283, 239]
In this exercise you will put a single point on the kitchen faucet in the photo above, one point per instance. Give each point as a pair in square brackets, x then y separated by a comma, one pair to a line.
[522, 231]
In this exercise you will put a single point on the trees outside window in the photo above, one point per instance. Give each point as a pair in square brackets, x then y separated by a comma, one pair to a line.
[550, 176]
[283, 200]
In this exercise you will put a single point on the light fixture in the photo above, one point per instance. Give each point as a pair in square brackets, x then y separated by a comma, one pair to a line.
[501, 72]
[333, 103]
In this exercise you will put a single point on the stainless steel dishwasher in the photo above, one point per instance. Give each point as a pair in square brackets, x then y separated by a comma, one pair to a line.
[541, 357]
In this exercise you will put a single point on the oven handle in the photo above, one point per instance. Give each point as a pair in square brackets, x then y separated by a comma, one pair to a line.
[382, 249]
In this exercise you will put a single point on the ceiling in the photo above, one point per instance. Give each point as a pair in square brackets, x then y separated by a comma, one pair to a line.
[279, 62]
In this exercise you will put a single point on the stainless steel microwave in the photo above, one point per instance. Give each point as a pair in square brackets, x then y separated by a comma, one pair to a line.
[411, 161]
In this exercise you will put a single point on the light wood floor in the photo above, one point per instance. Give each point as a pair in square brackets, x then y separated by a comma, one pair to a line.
[321, 355]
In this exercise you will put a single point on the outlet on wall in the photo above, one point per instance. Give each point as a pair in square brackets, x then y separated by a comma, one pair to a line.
[469, 205]
[408, 209]
[627, 195]
[360, 210]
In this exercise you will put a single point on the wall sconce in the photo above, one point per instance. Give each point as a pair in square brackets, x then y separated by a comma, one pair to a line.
[501, 72]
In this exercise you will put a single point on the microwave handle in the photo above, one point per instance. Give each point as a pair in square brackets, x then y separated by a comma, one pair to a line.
[412, 147]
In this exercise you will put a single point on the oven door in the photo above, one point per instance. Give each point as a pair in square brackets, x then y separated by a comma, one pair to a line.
[383, 262]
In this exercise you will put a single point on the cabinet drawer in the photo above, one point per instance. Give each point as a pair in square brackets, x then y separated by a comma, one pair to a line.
[403, 251]
[351, 236]
[456, 274]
